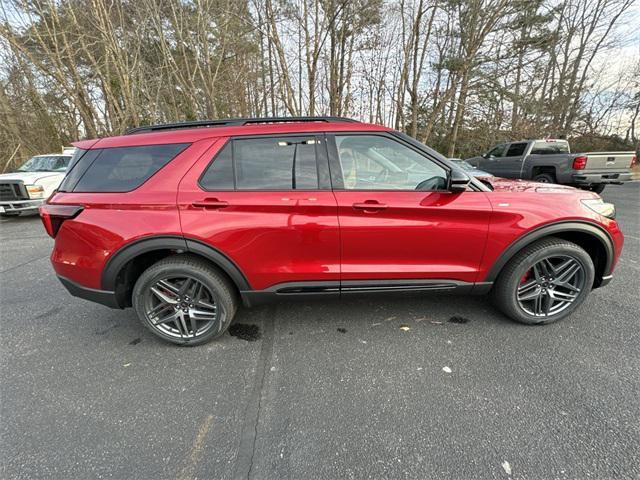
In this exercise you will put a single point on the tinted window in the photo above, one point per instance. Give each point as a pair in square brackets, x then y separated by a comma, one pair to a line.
[516, 149]
[119, 169]
[371, 162]
[80, 161]
[270, 163]
[549, 148]
[219, 174]
[283, 163]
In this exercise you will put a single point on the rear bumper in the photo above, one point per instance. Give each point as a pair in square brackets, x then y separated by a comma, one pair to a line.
[604, 177]
[102, 297]
[18, 206]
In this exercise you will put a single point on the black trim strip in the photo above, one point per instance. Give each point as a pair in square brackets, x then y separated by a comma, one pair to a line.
[400, 288]
[310, 289]
[406, 285]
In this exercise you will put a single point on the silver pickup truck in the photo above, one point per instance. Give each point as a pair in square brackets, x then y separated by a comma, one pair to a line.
[551, 161]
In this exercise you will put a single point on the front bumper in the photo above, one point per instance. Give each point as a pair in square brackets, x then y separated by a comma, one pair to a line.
[604, 177]
[18, 206]
[102, 297]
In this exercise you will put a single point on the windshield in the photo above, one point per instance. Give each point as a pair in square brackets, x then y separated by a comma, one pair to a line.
[43, 163]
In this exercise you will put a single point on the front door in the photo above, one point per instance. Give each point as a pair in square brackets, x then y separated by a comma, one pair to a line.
[397, 219]
[489, 162]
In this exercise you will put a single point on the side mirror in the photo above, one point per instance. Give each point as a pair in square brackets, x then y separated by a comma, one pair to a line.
[458, 181]
[484, 155]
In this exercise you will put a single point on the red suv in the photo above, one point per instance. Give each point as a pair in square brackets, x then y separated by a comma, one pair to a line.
[184, 221]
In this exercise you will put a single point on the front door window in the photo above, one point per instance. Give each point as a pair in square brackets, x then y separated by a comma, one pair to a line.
[372, 162]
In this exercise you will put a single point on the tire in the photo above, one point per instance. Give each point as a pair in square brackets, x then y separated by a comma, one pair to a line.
[598, 187]
[545, 178]
[519, 280]
[198, 297]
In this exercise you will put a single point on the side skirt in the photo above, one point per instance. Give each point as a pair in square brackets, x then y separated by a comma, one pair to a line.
[306, 290]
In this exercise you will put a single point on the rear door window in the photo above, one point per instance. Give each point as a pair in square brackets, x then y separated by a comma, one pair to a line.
[269, 163]
[120, 169]
[516, 149]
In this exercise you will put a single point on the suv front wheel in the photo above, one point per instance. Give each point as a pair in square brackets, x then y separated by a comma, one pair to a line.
[545, 282]
[184, 300]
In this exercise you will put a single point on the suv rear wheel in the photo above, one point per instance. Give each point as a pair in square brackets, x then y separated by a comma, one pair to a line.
[184, 300]
[545, 282]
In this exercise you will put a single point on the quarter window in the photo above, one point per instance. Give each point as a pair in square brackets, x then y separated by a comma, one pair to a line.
[371, 162]
[219, 174]
[120, 169]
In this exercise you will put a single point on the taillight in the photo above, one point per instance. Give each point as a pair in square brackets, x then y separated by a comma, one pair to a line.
[54, 215]
[634, 162]
[579, 163]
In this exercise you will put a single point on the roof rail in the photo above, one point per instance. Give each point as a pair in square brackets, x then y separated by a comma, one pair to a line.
[233, 122]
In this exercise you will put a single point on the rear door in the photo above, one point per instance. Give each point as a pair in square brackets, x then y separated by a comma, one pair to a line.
[398, 222]
[265, 202]
[510, 165]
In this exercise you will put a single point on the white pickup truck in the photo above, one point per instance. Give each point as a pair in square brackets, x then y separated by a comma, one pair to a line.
[23, 190]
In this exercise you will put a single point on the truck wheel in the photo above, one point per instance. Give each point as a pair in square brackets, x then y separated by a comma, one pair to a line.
[544, 282]
[545, 178]
[184, 300]
[598, 187]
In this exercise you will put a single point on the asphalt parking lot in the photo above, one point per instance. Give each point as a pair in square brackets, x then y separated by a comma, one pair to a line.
[331, 389]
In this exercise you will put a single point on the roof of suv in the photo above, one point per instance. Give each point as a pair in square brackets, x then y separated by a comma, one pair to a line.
[190, 132]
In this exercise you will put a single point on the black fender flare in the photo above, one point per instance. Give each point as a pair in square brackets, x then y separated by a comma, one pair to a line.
[138, 247]
[548, 230]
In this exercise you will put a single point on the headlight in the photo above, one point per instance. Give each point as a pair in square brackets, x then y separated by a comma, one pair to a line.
[599, 206]
[35, 191]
